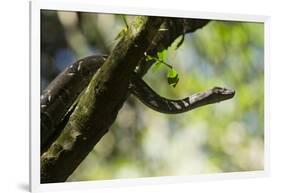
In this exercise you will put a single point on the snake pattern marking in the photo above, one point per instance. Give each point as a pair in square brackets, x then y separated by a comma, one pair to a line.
[62, 92]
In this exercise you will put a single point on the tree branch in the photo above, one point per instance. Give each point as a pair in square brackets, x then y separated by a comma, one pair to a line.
[106, 93]
[99, 105]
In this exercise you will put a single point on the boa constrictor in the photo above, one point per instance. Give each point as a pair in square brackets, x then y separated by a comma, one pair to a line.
[62, 92]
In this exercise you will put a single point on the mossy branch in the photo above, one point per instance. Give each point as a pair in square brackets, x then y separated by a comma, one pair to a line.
[99, 105]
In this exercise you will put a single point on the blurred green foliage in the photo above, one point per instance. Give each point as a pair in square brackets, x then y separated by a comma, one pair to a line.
[224, 137]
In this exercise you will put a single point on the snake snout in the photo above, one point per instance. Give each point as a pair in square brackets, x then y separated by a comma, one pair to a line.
[229, 93]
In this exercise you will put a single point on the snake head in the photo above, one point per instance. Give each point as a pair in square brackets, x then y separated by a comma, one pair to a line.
[223, 93]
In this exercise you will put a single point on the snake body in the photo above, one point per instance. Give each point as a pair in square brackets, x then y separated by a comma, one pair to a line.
[62, 92]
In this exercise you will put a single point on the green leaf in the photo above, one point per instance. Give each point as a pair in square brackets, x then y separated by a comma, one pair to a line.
[173, 77]
[162, 55]
[172, 73]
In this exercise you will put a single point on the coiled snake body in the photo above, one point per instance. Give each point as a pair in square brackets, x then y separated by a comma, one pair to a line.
[61, 93]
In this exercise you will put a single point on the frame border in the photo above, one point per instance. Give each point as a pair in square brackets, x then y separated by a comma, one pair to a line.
[34, 93]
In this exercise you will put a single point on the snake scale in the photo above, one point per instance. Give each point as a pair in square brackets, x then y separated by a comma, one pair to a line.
[62, 92]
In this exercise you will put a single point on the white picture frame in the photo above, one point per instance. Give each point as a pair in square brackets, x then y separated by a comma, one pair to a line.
[36, 6]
